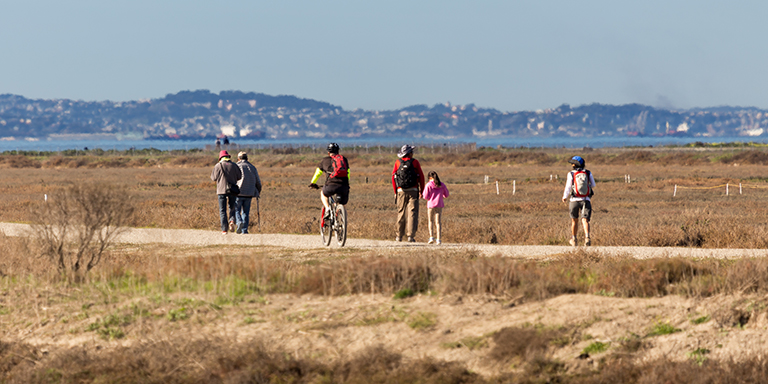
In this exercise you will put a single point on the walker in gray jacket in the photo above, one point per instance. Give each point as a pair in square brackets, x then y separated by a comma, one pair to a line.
[224, 174]
[250, 187]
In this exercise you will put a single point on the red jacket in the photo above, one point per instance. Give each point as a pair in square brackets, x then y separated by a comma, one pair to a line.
[416, 166]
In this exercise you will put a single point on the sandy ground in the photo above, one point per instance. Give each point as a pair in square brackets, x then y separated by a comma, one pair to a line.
[461, 328]
[191, 237]
[331, 328]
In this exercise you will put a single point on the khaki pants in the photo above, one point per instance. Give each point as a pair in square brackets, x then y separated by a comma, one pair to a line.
[407, 212]
[435, 218]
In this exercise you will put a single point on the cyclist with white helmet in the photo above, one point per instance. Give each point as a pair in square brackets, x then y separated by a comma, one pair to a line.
[336, 168]
[579, 187]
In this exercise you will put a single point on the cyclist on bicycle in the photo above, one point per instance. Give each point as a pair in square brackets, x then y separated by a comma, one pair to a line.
[336, 168]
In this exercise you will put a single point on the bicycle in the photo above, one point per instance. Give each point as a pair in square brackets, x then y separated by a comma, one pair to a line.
[336, 223]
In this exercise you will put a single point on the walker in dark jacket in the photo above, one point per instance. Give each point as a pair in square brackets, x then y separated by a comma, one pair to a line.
[250, 187]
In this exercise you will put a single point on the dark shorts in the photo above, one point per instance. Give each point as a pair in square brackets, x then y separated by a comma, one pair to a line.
[580, 209]
[337, 189]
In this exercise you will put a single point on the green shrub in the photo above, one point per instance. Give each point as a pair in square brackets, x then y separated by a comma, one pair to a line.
[663, 329]
[596, 347]
[700, 320]
[422, 320]
[404, 293]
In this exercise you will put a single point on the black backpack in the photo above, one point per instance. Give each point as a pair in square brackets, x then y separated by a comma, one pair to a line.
[405, 176]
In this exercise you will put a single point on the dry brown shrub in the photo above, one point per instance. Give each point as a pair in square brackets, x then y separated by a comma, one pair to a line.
[19, 161]
[515, 342]
[378, 365]
[140, 163]
[192, 161]
[486, 157]
[628, 277]
[747, 157]
[76, 225]
[16, 358]
[54, 162]
[682, 158]
[110, 162]
[16, 258]
[219, 361]
[461, 273]
[747, 369]
[447, 272]
[223, 360]
[730, 315]
[76, 162]
[636, 156]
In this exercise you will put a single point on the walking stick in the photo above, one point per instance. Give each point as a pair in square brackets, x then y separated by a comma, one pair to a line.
[258, 214]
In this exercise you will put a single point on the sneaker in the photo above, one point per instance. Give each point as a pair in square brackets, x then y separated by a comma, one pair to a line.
[572, 242]
[411, 240]
[438, 242]
[238, 231]
[431, 240]
[231, 226]
[398, 238]
[587, 242]
[223, 232]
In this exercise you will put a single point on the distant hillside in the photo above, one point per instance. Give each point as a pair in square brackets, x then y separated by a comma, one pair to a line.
[203, 114]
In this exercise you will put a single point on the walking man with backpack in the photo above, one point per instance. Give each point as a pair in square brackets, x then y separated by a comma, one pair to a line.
[225, 174]
[336, 168]
[579, 187]
[250, 187]
[408, 183]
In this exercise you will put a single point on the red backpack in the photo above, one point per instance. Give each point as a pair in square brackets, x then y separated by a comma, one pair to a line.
[581, 185]
[340, 166]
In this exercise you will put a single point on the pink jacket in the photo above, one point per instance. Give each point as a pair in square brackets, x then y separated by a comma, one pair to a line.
[434, 195]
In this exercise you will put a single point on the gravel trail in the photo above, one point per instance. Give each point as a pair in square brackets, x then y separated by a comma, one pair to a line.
[195, 237]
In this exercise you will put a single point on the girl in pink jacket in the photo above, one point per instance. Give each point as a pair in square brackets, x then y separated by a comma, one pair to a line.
[434, 192]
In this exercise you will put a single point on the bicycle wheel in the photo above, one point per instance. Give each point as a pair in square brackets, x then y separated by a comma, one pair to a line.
[341, 225]
[325, 229]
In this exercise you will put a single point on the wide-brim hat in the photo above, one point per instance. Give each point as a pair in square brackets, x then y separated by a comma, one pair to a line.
[405, 150]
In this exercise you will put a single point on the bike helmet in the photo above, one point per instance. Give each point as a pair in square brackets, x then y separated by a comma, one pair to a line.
[577, 161]
[405, 150]
[333, 148]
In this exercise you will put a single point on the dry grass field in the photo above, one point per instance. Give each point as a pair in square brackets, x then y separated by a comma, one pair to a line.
[175, 191]
[160, 314]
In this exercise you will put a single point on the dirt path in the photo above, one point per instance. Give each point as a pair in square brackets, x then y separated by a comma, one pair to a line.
[193, 237]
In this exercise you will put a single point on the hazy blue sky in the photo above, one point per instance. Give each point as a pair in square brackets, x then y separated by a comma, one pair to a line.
[509, 55]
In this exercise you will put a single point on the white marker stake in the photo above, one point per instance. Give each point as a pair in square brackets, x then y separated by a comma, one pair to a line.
[513, 186]
[675, 192]
[497, 187]
[739, 188]
[46, 197]
[726, 189]
[629, 179]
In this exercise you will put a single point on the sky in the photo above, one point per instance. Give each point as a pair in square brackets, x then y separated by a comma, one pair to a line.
[381, 55]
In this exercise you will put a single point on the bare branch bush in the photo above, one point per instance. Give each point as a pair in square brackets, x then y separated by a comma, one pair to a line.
[76, 224]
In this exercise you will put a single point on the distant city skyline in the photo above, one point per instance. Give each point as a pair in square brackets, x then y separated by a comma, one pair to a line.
[508, 55]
